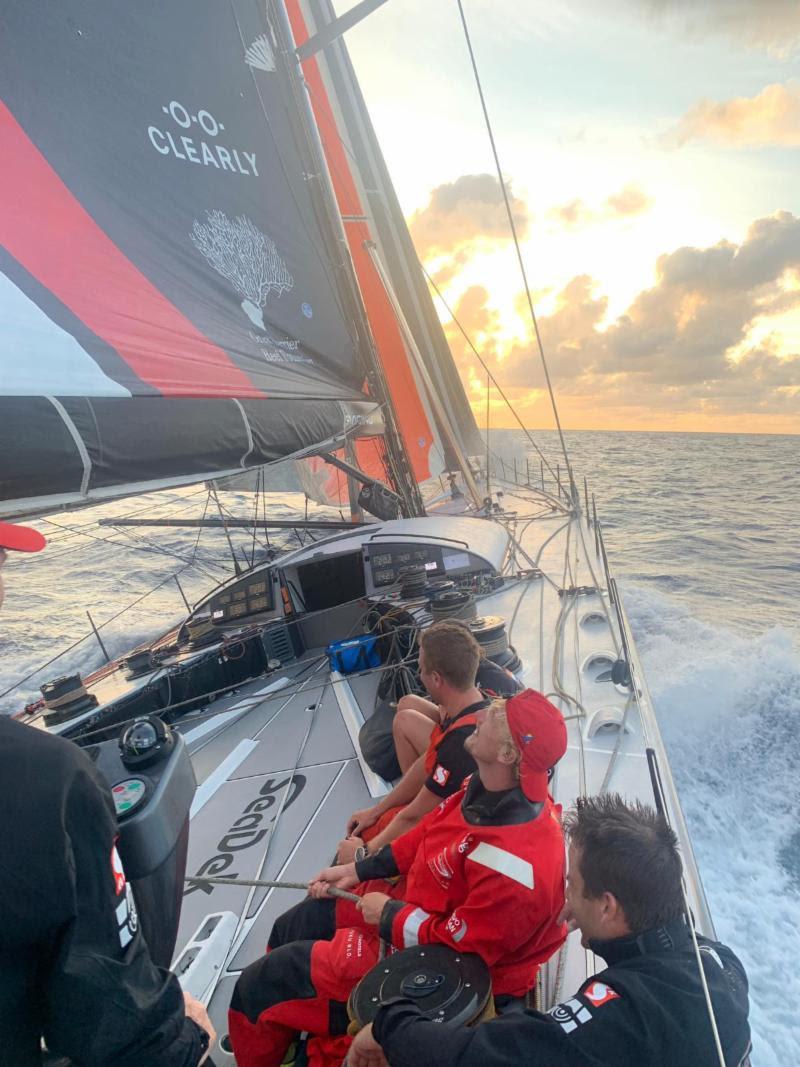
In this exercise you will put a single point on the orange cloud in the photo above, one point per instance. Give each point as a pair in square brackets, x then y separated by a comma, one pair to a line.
[467, 211]
[770, 118]
[681, 349]
[627, 202]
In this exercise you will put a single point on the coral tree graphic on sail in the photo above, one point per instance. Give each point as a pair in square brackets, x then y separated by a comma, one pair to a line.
[168, 299]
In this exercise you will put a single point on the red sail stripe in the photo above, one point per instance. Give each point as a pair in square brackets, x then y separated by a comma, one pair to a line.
[51, 234]
[410, 412]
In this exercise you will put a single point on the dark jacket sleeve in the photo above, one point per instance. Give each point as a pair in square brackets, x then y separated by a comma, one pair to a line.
[380, 864]
[529, 1038]
[105, 1001]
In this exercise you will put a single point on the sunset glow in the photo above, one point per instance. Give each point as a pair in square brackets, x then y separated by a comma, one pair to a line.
[651, 155]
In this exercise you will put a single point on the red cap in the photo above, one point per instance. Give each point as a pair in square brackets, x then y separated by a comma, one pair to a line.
[20, 538]
[540, 733]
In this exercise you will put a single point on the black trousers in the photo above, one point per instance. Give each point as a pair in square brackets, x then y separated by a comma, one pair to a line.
[310, 920]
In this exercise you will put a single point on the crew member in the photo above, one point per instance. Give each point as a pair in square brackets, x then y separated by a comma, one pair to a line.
[647, 1007]
[484, 874]
[429, 736]
[74, 968]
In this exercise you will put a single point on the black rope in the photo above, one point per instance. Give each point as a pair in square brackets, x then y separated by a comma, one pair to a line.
[489, 375]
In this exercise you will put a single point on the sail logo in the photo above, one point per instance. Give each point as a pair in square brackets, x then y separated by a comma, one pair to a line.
[245, 257]
[193, 147]
[260, 54]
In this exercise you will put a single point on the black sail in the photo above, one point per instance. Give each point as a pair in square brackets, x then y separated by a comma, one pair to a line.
[169, 299]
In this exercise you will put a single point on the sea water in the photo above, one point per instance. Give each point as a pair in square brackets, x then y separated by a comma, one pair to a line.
[701, 531]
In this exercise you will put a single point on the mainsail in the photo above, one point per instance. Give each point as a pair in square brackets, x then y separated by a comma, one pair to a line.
[171, 304]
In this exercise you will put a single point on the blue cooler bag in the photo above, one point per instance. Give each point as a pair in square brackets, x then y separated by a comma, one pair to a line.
[354, 654]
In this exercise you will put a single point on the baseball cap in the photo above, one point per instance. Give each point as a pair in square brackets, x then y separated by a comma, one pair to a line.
[20, 538]
[540, 734]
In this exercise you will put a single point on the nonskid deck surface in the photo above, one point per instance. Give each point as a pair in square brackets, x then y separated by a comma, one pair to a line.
[279, 773]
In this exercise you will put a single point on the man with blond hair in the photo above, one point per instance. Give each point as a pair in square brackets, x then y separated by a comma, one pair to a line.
[429, 738]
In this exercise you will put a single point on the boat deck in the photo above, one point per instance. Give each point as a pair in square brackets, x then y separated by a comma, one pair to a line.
[279, 772]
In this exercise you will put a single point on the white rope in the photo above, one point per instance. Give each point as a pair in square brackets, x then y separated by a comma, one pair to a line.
[712, 1018]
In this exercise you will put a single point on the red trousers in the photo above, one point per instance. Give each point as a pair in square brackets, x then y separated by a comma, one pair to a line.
[303, 985]
[381, 824]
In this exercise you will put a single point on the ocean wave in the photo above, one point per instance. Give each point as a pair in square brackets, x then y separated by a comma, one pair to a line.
[729, 711]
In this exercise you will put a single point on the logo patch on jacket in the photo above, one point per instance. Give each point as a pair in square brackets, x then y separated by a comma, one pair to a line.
[456, 927]
[440, 774]
[570, 1015]
[127, 918]
[117, 871]
[599, 993]
[441, 868]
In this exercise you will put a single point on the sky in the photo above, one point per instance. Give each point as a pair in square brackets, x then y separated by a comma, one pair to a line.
[651, 150]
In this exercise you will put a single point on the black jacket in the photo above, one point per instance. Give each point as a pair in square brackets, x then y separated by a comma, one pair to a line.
[646, 1009]
[73, 966]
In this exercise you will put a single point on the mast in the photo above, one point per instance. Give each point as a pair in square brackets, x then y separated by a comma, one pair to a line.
[394, 242]
[320, 181]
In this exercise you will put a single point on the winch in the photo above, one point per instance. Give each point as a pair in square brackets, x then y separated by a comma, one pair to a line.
[490, 633]
[448, 986]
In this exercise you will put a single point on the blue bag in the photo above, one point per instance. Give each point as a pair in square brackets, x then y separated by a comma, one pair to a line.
[354, 654]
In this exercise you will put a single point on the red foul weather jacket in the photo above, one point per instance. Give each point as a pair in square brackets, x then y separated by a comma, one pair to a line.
[483, 873]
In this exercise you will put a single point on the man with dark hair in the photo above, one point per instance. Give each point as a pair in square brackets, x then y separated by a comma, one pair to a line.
[647, 1007]
[429, 738]
[74, 967]
[483, 874]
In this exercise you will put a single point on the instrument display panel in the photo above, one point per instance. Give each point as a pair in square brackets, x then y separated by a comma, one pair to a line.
[251, 596]
[387, 561]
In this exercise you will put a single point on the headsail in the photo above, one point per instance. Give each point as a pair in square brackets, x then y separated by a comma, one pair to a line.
[371, 213]
[169, 305]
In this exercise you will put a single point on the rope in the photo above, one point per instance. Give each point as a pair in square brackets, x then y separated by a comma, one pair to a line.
[513, 228]
[260, 883]
[489, 375]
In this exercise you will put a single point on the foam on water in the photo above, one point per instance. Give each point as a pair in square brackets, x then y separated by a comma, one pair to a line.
[729, 711]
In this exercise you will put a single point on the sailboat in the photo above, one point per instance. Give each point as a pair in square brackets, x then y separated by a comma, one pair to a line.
[205, 270]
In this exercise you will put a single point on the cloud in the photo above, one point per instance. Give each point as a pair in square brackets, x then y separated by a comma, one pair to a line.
[771, 25]
[467, 211]
[629, 201]
[770, 118]
[481, 323]
[681, 346]
[572, 214]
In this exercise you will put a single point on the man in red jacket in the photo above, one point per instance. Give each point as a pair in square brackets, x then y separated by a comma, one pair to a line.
[483, 873]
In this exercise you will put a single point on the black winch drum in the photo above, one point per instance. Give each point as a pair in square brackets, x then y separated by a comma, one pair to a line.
[453, 604]
[490, 633]
[448, 986]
